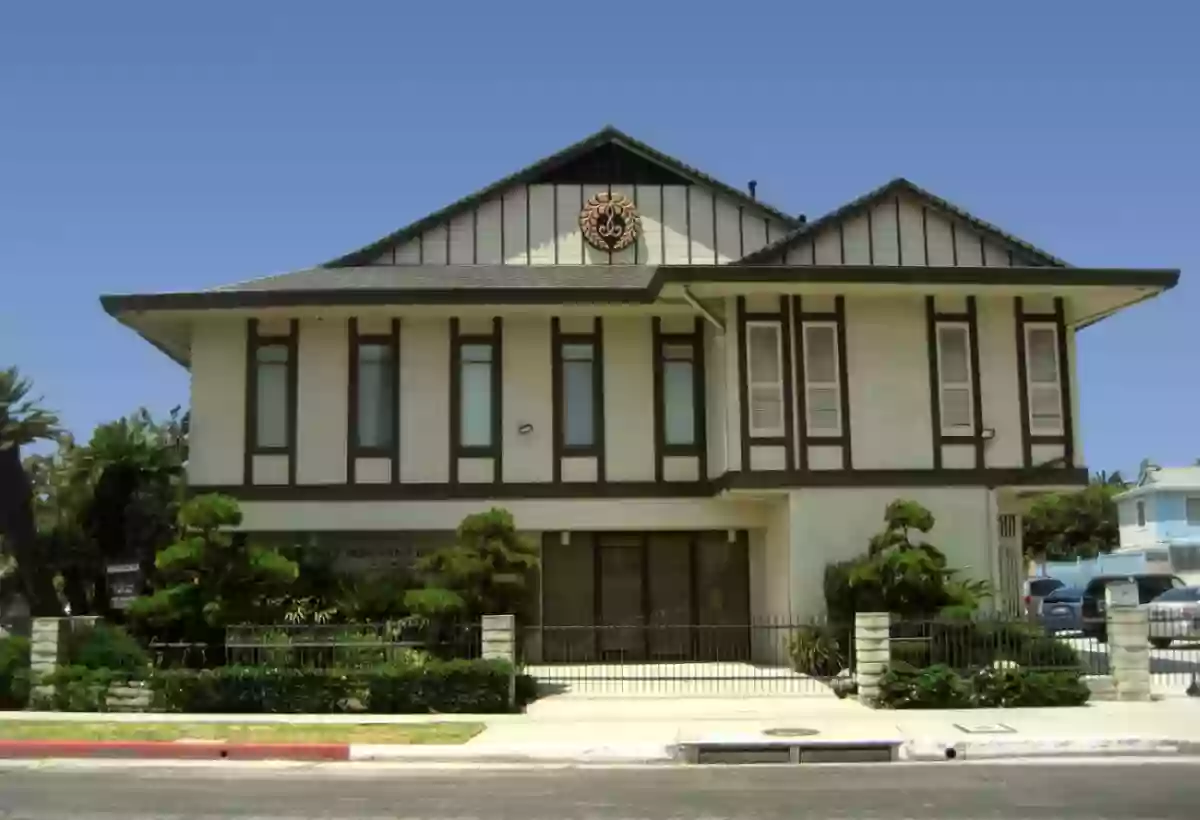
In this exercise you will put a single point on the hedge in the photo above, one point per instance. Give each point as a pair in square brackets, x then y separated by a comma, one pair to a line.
[466, 686]
[78, 689]
[940, 687]
[14, 672]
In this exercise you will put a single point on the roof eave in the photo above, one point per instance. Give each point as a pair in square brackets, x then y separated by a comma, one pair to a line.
[118, 305]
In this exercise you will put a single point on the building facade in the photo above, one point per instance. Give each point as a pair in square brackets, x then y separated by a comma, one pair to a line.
[1162, 513]
[692, 400]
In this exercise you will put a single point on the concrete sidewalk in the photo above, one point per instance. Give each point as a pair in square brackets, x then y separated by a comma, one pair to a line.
[639, 730]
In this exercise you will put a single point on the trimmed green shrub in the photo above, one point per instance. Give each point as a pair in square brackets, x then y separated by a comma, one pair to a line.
[1010, 687]
[819, 651]
[104, 646]
[940, 687]
[77, 689]
[14, 672]
[477, 686]
[934, 687]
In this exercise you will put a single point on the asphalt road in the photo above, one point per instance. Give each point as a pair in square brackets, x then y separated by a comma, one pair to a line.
[1148, 789]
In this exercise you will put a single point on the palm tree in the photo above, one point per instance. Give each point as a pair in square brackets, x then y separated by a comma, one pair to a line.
[23, 421]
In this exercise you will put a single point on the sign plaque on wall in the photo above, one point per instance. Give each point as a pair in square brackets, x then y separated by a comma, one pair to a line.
[610, 222]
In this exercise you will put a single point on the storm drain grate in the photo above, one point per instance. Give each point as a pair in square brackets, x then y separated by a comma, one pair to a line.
[789, 753]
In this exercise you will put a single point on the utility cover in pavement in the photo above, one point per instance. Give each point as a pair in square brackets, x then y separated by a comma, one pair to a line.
[790, 732]
[985, 728]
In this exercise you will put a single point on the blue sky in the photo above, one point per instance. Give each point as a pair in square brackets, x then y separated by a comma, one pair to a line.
[152, 146]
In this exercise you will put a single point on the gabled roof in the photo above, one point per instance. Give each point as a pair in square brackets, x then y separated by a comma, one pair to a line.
[896, 186]
[605, 136]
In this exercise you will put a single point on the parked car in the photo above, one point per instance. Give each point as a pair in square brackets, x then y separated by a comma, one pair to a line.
[1150, 586]
[1061, 610]
[1175, 615]
[1037, 589]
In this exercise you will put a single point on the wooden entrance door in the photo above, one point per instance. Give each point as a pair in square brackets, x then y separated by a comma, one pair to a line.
[621, 584]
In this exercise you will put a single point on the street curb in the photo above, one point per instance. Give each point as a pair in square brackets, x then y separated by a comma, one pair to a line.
[1000, 749]
[633, 753]
[343, 752]
[172, 750]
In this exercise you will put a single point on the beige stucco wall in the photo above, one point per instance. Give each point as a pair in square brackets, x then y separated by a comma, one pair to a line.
[628, 399]
[321, 408]
[999, 382]
[829, 525]
[887, 385]
[218, 402]
[528, 399]
[538, 514]
[888, 362]
[424, 400]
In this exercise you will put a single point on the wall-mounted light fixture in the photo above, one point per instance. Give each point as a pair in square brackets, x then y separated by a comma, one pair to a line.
[524, 428]
[987, 433]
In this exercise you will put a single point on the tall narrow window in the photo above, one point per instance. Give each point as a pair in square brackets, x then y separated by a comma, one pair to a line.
[679, 394]
[822, 388]
[765, 379]
[578, 395]
[1141, 513]
[376, 396]
[475, 381]
[954, 376]
[1045, 390]
[271, 395]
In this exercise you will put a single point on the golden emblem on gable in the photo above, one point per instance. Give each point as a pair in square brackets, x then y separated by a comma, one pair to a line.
[610, 222]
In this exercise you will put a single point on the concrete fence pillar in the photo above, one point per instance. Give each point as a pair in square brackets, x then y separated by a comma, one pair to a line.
[500, 643]
[45, 641]
[872, 651]
[1129, 652]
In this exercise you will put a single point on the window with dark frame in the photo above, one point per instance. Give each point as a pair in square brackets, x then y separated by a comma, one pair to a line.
[678, 393]
[375, 427]
[954, 376]
[271, 388]
[477, 362]
[578, 394]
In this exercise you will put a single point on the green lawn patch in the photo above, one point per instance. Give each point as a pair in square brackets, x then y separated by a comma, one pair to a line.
[410, 733]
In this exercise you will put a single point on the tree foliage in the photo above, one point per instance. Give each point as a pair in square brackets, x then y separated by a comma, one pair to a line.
[212, 578]
[1067, 526]
[899, 575]
[23, 421]
[486, 572]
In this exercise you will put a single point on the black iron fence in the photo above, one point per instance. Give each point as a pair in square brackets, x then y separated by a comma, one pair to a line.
[769, 657]
[966, 645]
[351, 646]
[1174, 652]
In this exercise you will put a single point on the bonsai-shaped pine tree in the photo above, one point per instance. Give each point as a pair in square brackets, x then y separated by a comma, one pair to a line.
[212, 578]
[486, 572]
[899, 575]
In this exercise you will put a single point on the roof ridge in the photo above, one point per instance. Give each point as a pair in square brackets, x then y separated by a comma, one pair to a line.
[789, 239]
[608, 133]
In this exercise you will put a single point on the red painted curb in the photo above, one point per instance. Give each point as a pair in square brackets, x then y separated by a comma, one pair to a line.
[173, 750]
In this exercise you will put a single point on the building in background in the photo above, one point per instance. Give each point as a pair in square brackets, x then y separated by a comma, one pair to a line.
[1161, 513]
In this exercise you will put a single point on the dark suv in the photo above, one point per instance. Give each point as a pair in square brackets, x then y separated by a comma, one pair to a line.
[1150, 586]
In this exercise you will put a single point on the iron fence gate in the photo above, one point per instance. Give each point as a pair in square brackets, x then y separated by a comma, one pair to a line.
[757, 658]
